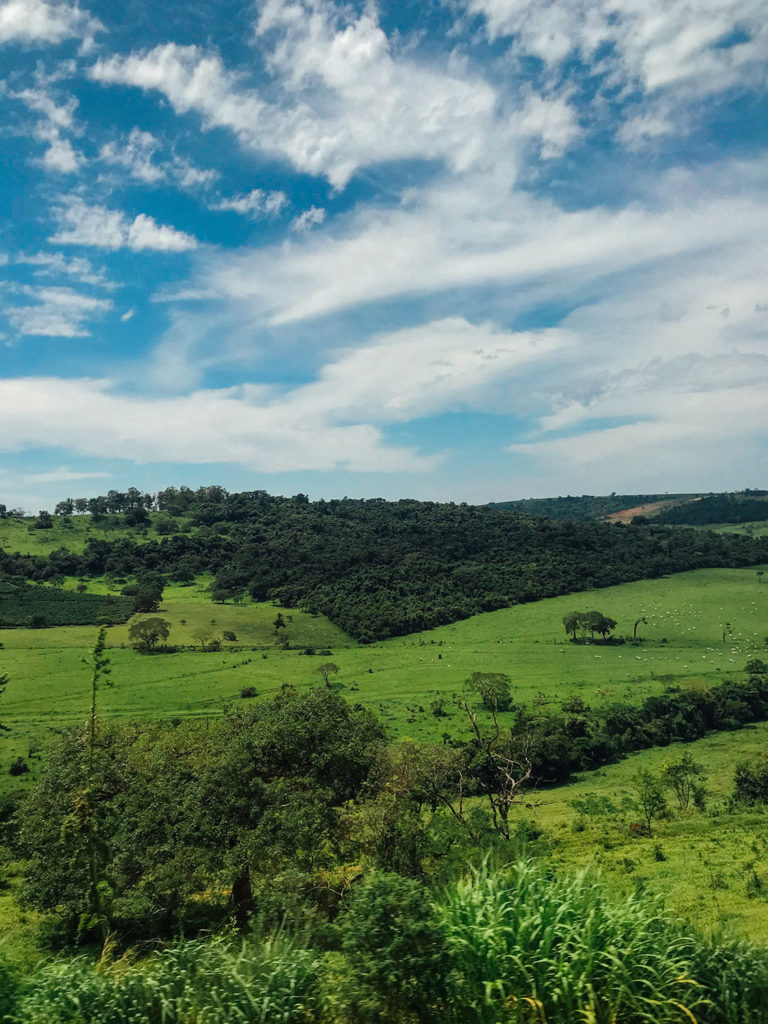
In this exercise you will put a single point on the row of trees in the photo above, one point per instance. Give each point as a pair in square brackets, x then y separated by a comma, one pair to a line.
[588, 622]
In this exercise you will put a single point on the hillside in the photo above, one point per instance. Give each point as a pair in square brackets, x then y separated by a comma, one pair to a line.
[380, 569]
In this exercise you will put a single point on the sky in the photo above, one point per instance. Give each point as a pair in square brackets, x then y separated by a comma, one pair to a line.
[458, 250]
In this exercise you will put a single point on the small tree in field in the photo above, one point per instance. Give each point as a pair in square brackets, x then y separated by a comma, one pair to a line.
[147, 633]
[493, 688]
[650, 794]
[685, 778]
[206, 636]
[326, 670]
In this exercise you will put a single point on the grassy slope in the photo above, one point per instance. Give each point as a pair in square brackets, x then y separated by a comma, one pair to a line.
[49, 684]
[18, 534]
[709, 857]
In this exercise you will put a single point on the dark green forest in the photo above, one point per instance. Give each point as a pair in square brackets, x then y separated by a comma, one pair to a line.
[376, 568]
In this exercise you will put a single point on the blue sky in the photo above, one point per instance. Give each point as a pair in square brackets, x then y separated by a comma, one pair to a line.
[463, 250]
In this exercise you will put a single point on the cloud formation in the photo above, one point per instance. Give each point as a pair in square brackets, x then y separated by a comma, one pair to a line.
[102, 228]
[45, 21]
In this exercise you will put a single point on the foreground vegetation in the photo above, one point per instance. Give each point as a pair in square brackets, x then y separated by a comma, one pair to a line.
[312, 844]
[504, 945]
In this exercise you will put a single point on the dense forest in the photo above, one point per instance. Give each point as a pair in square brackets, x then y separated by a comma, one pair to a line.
[585, 507]
[746, 507]
[376, 568]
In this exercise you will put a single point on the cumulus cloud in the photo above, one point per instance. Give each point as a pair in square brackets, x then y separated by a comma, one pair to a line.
[102, 228]
[233, 425]
[55, 312]
[136, 154]
[343, 97]
[45, 21]
[254, 204]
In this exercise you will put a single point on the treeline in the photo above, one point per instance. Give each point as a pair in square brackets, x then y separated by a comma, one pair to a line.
[586, 507]
[379, 569]
[746, 507]
[581, 738]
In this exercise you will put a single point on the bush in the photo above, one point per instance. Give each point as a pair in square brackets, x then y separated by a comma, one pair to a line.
[18, 767]
[248, 691]
[398, 959]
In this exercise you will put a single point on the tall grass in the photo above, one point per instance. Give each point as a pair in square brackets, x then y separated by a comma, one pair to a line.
[529, 947]
[507, 946]
[271, 982]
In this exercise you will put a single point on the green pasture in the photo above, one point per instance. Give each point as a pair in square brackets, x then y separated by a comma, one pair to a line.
[757, 529]
[701, 628]
[715, 867]
[20, 535]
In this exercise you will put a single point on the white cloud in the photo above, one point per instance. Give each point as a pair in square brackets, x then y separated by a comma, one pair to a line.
[308, 219]
[443, 366]
[649, 43]
[102, 228]
[343, 97]
[56, 118]
[55, 312]
[474, 230]
[49, 264]
[45, 21]
[136, 154]
[254, 204]
[332, 422]
[551, 120]
[658, 58]
[233, 425]
[60, 156]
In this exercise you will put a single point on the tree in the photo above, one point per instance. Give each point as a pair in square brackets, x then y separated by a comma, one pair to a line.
[206, 635]
[44, 520]
[147, 633]
[279, 622]
[64, 508]
[3, 684]
[493, 688]
[571, 622]
[327, 669]
[650, 794]
[685, 778]
[501, 763]
[187, 817]
[149, 593]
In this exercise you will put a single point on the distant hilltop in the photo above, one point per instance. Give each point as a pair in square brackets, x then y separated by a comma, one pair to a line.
[746, 506]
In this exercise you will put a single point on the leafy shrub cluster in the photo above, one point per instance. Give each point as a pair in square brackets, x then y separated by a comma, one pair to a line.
[23, 604]
[587, 738]
[512, 945]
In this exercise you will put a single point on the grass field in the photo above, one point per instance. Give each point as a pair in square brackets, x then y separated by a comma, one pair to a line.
[21, 536]
[701, 627]
[715, 867]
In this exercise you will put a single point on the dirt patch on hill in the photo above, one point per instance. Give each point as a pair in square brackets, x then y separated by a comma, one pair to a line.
[626, 515]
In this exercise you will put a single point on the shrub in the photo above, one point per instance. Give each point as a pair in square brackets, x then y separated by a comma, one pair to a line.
[398, 959]
[18, 767]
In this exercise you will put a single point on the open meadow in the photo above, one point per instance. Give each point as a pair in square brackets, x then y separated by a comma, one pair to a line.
[700, 628]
